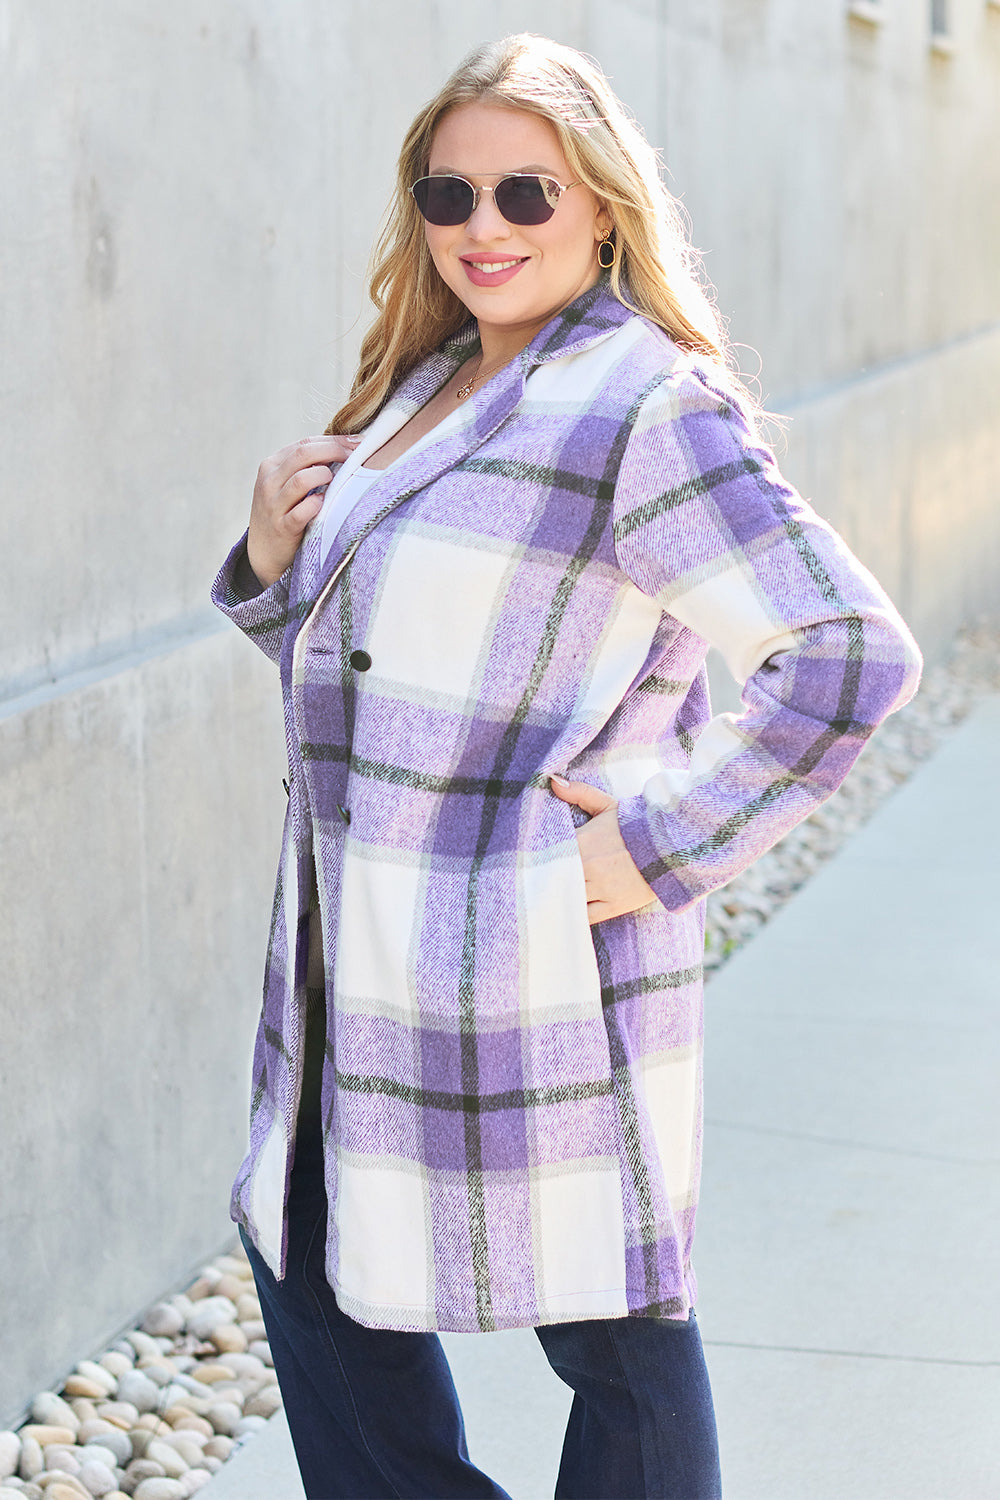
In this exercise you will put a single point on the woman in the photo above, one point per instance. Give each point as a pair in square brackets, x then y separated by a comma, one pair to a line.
[477, 1078]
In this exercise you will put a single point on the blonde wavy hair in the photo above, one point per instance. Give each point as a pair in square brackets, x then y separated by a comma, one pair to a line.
[656, 271]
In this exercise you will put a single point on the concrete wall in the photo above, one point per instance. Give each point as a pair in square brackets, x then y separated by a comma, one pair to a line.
[845, 179]
[189, 195]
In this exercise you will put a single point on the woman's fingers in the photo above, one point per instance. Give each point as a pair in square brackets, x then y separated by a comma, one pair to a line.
[300, 484]
[305, 454]
[298, 518]
[613, 883]
[589, 798]
[284, 499]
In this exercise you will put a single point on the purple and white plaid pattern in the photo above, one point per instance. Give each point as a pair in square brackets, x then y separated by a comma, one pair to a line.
[512, 1100]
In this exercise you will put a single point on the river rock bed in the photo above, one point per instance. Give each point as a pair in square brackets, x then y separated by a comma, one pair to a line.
[906, 739]
[159, 1412]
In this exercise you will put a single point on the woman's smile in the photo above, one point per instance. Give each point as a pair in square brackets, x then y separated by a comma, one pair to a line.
[488, 270]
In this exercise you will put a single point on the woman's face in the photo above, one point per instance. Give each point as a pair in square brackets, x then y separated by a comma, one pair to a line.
[553, 262]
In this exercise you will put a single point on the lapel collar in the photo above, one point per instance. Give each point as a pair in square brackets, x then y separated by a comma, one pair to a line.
[594, 316]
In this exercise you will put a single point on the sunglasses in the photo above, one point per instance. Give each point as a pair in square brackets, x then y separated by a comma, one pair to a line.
[521, 197]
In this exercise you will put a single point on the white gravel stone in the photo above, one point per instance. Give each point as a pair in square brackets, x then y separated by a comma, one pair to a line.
[59, 1457]
[228, 1392]
[233, 1265]
[219, 1447]
[264, 1404]
[123, 1414]
[140, 1469]
[162, 1320]
[58, 1484]
[159, 1489]
[139, 1390]
[172, 1395]
[191, 1383]
[98, 1477]
[53, 1411]
[143, 1343]
[10, 1454]
[98, 1453]
[246, 1366]
[116, 1362]
[229, 1338]
[224, 1416]
[208, 1314]
[196, 1405]
[184, 1446]
[213, 1372]
[117, 1443]
[32, 1459]
[194, 1480]
[249, 1424]
[262, 1349]
[90, 1370]
[170, 1461]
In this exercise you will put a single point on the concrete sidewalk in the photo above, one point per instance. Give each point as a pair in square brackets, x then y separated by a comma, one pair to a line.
[848, 1251]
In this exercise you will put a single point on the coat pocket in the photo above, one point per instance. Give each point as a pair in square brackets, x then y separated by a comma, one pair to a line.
[560, 965]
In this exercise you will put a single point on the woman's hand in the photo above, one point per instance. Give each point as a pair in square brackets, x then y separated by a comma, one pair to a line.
[614, 885]
[282, 504]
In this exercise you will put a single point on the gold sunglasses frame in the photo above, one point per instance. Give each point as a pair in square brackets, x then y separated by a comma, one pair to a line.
[478, 192]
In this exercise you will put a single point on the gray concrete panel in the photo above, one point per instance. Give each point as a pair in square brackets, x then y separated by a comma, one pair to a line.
[852, 1179]
[802, 1424]
[140, 821]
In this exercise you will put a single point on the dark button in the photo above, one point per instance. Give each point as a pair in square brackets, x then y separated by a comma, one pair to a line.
[345, 812]
[285, 784]
[360, 661]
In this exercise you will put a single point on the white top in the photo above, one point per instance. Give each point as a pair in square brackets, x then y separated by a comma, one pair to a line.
[342, 494]
[352, 478]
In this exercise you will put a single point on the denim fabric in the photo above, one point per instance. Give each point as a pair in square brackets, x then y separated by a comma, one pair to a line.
[642, 1422]
[374, 1413]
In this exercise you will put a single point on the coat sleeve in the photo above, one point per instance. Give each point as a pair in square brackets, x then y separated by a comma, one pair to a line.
[260, 615]
[706, 525]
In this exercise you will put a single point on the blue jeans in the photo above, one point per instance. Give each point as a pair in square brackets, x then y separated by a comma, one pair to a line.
[374, 1413]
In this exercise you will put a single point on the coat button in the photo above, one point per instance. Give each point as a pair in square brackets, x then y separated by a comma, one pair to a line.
[345, 812]
[360, 661]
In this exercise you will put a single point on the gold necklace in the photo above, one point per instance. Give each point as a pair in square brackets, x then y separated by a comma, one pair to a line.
[464, 391]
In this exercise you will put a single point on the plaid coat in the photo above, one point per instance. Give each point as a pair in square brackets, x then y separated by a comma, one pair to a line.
[511, 1099]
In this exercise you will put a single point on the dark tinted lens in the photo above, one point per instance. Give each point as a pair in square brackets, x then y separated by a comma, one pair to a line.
[526, 200]
[444, 200]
